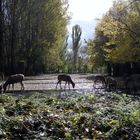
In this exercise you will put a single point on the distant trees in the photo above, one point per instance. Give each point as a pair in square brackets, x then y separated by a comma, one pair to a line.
[33, 38]
[32, 32]
[76, 37]
[74, 54]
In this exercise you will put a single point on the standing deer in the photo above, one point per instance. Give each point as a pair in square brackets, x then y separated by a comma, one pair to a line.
[67, 79]
[17, 78]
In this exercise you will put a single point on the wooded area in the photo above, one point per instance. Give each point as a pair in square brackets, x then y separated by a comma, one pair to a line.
[31, 33]
[34, 39]
[117, 39]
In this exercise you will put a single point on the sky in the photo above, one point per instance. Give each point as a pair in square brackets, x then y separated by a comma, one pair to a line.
[85, 13]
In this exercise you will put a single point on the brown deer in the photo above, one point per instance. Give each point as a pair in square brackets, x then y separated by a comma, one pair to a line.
[67, 79]
[111, 83]
[100, 79]
[17, 78]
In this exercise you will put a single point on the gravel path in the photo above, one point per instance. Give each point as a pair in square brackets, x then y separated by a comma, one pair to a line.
[48, 82]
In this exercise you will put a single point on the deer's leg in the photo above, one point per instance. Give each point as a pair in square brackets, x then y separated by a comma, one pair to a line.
[93, 85]
[22, 85]
[69, 84]
[60, 85]
[8, 87]
[57, 84]
[1, 88]
[106, 85]
[65, 84]
[13, 87]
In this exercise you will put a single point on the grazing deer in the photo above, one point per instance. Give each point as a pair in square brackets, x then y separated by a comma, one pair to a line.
[111, 83]
[17, 78]
[100, 79]
[65, 78]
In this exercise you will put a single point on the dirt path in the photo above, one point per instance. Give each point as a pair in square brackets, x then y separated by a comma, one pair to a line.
[48, 82]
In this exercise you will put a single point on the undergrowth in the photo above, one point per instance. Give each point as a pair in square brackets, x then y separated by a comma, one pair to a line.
[89, 116]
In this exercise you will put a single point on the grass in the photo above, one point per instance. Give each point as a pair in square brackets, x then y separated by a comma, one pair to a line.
[90, 116]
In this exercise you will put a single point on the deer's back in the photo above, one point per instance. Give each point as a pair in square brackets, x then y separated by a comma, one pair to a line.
[64, 77]
[99, 78]
[110, 80]
[15, 78]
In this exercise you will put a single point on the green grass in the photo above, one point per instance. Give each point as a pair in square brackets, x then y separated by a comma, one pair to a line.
[89, 116]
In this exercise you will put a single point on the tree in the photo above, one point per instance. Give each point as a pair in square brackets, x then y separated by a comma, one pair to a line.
[76, 37]
[1, 37]
[117, 35]
[32, 31]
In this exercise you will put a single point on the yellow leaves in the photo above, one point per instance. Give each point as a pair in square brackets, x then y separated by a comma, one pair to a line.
[119, 54]
[68, 135]
[17, 118]
[122, 29]
[113, 122]
[34, 110]
[124, 54]
[134, 16]
[109, 27]
[97, 134]
[135, 115]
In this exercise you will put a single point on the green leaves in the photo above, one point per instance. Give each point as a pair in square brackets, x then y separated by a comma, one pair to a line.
[32, 29]
[76, 38]
[117, 34]
[88, 116]
[2, 110]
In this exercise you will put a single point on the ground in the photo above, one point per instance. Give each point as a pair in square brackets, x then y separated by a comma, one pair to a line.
[48, 82]
[42, 111]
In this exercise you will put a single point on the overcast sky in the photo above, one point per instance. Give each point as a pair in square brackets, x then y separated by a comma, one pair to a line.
[84, 13]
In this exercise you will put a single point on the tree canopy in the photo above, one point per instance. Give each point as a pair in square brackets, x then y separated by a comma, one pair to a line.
[32, 31]
[117, 35]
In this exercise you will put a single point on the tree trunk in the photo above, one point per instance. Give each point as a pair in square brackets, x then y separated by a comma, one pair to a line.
[1, 39]
[13, 37]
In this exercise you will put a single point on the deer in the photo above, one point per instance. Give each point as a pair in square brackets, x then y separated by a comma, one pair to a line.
[17, 78]
[67, 79]
[108, 82]
[111, 83]
[100, 79]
